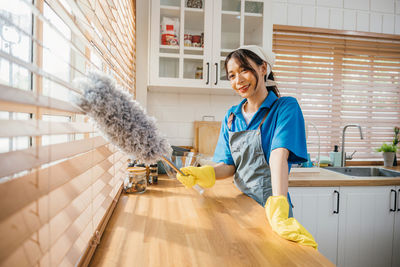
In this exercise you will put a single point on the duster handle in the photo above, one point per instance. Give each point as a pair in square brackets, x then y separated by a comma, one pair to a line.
[196, 186]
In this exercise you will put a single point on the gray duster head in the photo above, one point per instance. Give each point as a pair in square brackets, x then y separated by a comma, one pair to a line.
[121, 119]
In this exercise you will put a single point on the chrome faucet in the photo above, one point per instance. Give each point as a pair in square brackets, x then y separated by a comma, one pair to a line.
[343, 152]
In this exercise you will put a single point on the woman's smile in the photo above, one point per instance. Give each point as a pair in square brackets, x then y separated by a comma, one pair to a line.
[243, 89]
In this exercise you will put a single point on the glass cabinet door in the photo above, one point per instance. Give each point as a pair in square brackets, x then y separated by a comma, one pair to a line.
[240, 22]
[184, 46]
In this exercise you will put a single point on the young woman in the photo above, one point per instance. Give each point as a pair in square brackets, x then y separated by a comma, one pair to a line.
[259, 140]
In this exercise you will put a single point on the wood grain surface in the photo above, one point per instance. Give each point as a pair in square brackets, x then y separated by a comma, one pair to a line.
[170, 225]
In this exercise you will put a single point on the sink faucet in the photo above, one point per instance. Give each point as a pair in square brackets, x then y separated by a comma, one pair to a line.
[343, 133]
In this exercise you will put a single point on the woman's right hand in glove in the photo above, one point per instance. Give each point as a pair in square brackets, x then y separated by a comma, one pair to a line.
[203, 176]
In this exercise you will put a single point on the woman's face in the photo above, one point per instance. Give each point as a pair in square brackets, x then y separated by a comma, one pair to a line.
[243, 81]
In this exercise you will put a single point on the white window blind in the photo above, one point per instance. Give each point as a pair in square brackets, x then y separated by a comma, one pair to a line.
[58, 177]
[341, 78]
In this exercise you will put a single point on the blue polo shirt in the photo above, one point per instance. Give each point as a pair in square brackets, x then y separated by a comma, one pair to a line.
[283, 127]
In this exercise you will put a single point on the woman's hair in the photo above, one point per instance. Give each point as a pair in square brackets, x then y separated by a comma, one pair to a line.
[242, 55]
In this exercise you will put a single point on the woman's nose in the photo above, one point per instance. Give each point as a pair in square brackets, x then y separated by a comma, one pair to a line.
[240, 78]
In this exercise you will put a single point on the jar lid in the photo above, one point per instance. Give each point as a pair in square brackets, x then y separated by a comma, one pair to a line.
[136, 169]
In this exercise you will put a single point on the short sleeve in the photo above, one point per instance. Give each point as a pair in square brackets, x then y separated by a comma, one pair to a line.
[290, 131]
[222, 150]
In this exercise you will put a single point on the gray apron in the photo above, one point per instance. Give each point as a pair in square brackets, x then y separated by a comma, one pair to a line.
[253, 175]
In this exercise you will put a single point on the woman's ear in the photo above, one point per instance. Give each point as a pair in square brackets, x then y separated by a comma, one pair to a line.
[264, 68]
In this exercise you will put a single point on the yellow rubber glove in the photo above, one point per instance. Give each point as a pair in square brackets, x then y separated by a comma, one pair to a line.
[277, 210]
[203, 176]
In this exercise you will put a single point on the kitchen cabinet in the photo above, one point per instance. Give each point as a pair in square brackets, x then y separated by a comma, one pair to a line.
[353, 225]
[366, 225]
[396, 235]
[316, 208]
[221, 25]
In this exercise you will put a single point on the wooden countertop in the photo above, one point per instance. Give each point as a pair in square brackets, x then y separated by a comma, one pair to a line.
[322, 177]
[170, 225]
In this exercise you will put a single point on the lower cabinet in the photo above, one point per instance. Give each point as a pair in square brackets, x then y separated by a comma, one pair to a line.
[353, 226]
[396, 235]
[315, 208]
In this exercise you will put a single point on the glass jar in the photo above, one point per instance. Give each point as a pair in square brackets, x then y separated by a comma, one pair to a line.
[199, 73]
[136, 181]
[153, 176]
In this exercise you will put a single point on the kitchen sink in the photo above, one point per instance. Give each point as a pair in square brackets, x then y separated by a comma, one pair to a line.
[365, 171]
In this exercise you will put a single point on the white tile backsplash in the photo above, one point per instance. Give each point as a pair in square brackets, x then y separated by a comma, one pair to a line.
[302, 2]
[322, 17]
[170, 129]
[375, 24]
[279, 13]
[361, 15]
[362, 21]
[386, 6]
[185, 129]
[388, 23]
[294, 15]
[330, 3]
[336, 18]
[356, 4]
[397, 24]
[175, 117]
[349, 20]
[308, 16]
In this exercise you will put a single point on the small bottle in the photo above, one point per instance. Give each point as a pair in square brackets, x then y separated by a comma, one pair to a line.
[335, 157]
[153, 176]
[136, 181]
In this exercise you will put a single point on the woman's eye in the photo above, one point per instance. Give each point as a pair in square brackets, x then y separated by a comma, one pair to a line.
[230, 77]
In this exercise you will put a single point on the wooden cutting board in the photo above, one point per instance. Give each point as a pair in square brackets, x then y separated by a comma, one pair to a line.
[206, 136]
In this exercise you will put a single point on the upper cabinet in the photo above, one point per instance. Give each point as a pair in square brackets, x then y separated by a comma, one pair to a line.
[191, 38]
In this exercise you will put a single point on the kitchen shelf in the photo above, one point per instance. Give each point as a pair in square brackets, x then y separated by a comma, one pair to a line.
[170, 55]
[174, 47]
[169, 11]
[194, 10]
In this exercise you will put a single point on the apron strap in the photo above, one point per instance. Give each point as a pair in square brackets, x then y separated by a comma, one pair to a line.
[230, 120]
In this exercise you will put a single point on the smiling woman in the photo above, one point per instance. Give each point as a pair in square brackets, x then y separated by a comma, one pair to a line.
[259, 140]
[58, 177]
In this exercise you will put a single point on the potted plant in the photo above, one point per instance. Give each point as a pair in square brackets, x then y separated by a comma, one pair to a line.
[388, 152]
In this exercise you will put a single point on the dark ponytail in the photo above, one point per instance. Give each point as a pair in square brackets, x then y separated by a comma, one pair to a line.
[272, 88]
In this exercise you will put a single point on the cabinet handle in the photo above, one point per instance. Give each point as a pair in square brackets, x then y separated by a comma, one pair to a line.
[208, 72]
[395, 199]
[216, 73]
[337, 202]
[398, 209]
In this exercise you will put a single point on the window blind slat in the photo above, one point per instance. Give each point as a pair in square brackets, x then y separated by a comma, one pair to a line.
[38, 128]
[17, 161]
[15, 95]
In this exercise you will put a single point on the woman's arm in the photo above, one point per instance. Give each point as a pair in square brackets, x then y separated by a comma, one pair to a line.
[223, 170]
[278, 163]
